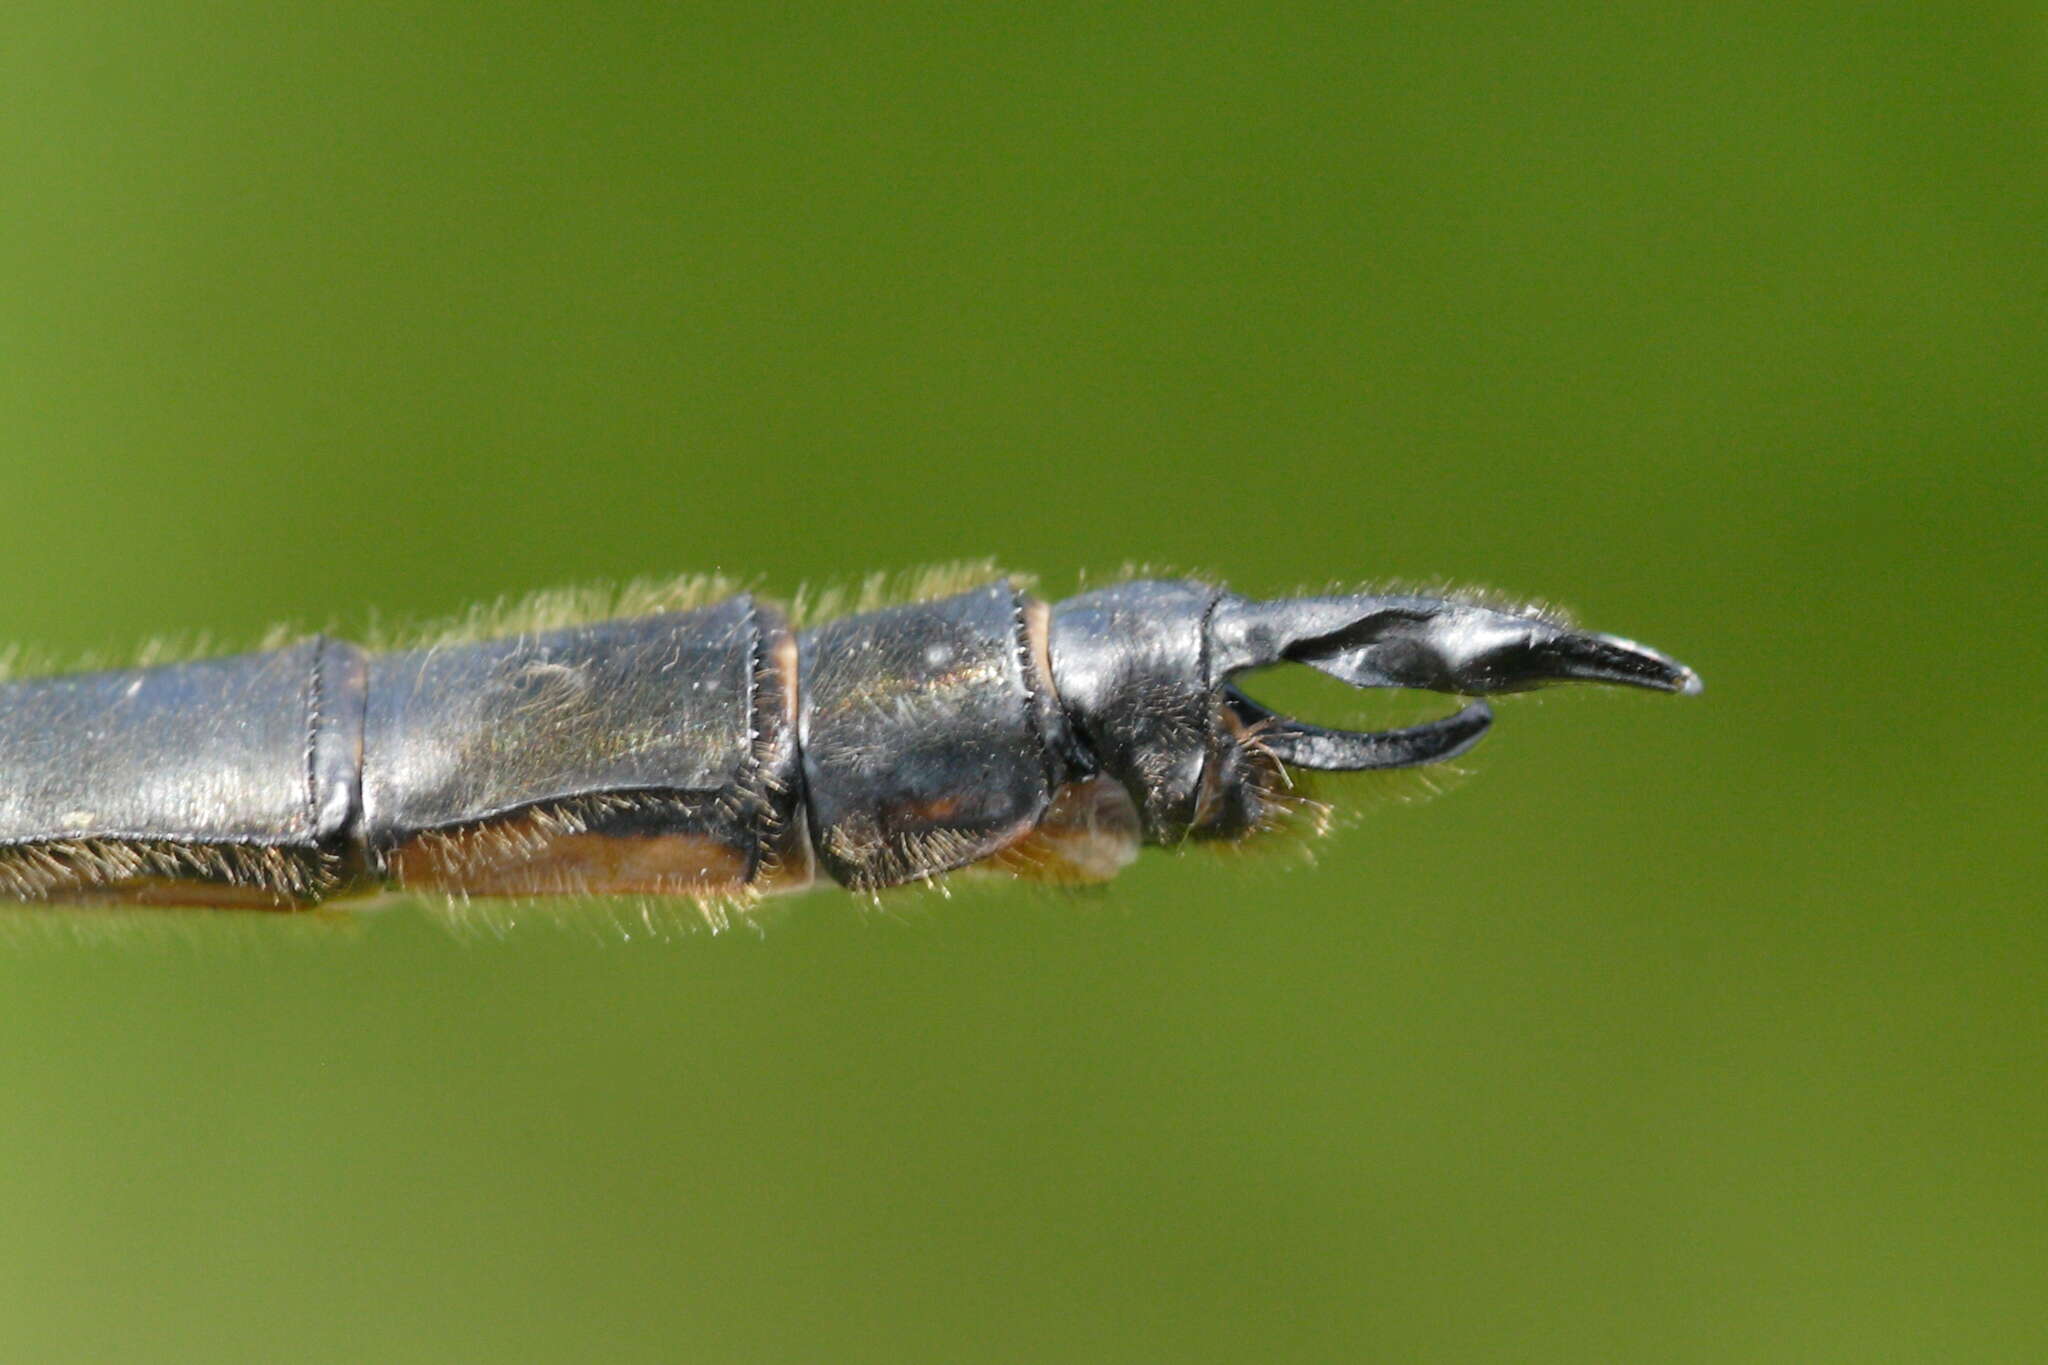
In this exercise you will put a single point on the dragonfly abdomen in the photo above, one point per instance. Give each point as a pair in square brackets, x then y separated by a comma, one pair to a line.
[719, 754]
[658, 755]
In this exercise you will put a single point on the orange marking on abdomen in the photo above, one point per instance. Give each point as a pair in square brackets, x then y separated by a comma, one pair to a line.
[516, 859]
[1088, 834]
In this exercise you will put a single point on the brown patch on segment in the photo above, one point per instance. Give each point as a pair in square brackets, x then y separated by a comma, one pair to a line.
[1089, 833]
[783, 657]
[166, 873]
[1038, 637]
[933, 810]
[774, 772]
[523, 858]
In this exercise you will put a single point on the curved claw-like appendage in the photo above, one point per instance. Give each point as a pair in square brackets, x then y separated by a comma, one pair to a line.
[1144, 672]
[1302, 745]
[1418, 642]
[1434, 643]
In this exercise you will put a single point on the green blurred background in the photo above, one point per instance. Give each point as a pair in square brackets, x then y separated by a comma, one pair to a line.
[1683, 1032]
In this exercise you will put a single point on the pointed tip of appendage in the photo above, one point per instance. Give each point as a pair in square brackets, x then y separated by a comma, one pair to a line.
[1611, 659]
